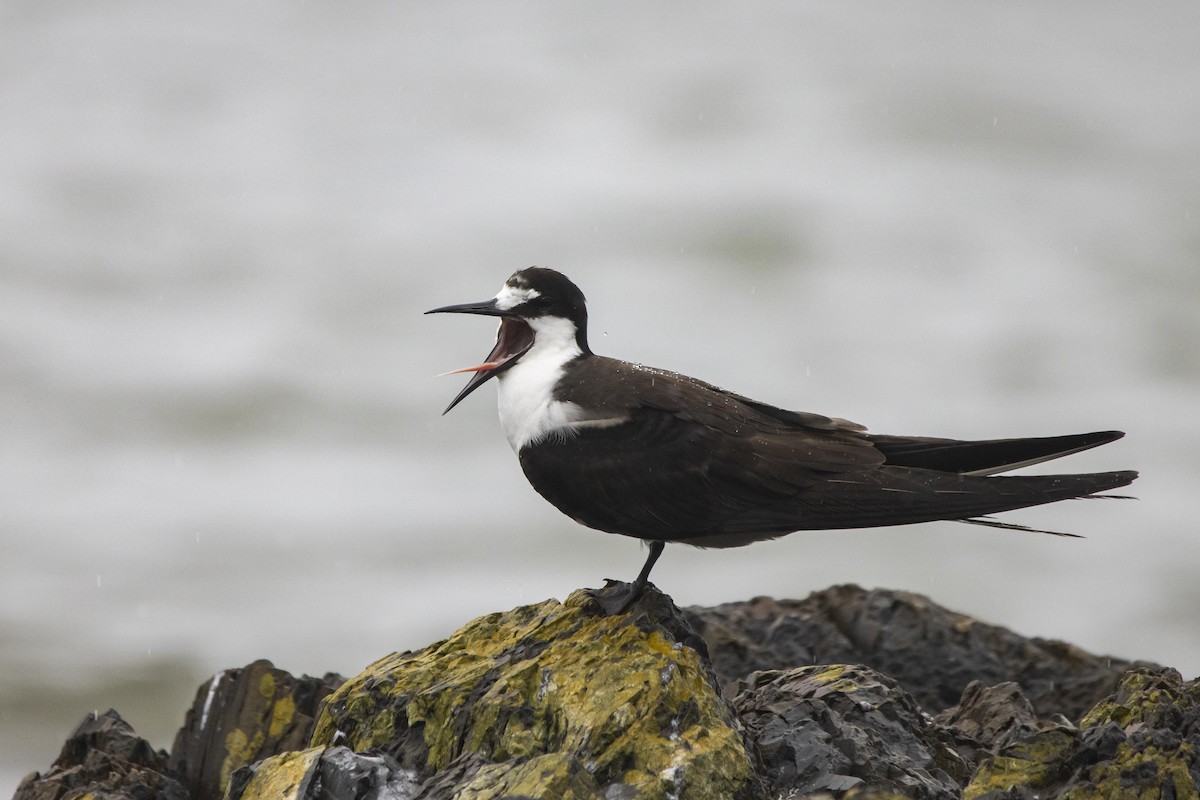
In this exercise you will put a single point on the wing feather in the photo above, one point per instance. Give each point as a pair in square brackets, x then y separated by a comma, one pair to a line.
[662, 456]
[659, 477]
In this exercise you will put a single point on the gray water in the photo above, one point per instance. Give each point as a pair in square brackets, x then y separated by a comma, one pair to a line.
[219, 423]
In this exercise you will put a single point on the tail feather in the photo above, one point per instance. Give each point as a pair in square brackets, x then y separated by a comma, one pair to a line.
[1012, 526]
[899, 496]
[985, 457]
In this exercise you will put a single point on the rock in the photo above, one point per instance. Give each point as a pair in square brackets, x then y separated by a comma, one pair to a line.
[988, 719]
[1143, 740]
[105, 758]
[932, 652]
[243, 715]
[545, 776]
[558, 701]
[841, 728]
[285, 776]
[321, 773]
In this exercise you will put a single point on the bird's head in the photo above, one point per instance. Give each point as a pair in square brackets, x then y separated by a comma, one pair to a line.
[537, 307]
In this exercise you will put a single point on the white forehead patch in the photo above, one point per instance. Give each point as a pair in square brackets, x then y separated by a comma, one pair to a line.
[512, 296]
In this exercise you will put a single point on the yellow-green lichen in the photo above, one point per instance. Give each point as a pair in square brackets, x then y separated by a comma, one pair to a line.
[550, 678]
[283, 713]
[241, 748]
[832, 679]
[1143, 695]
[1031, 763]
[282, 777]
[1139, 767]
[548, 777]
[1156, 770]
[264, 721]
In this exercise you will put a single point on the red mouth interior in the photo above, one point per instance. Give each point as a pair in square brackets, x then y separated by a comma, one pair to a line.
[512, 340]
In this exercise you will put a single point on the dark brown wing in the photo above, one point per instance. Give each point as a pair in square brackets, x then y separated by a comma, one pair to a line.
[660, 477]
[628, 387]
[673, 458]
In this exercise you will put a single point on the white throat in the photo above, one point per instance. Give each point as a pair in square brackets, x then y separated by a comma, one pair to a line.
[528, 410]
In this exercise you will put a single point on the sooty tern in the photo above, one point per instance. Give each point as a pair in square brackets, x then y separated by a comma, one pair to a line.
[663, 457]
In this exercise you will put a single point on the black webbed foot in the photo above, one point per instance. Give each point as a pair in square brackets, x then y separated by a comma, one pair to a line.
[617, 596]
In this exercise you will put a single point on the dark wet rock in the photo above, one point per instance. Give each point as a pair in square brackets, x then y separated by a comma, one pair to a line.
[345, 773]
[841, 728]
[657, 610]
[104, 758]
[558, 700]
[934, 653]
[240, 716]
[1143, 740]
[320, 773]
[988, 718]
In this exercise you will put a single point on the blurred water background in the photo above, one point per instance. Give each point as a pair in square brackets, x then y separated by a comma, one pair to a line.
[219, 225]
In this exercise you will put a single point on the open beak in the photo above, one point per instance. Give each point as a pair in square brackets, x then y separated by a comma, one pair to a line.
[513, 340]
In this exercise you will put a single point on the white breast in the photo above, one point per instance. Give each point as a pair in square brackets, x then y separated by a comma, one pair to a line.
[528, 410]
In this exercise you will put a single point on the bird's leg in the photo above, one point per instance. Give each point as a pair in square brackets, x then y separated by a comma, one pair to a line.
[618, 596]
[643, 578]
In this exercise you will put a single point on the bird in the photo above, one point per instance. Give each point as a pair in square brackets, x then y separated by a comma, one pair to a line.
[666, 458]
